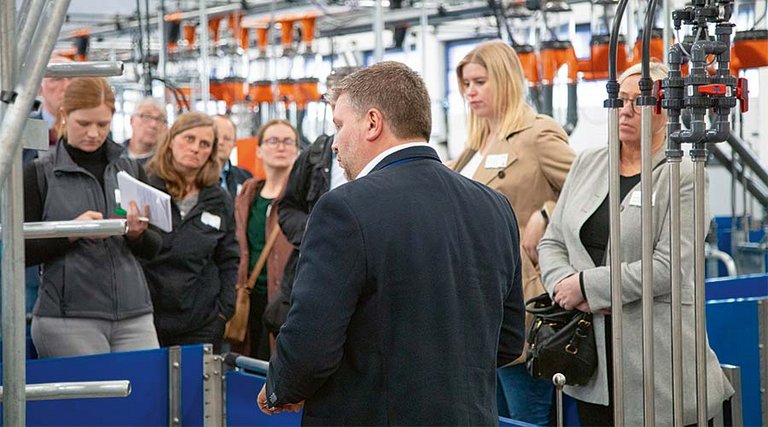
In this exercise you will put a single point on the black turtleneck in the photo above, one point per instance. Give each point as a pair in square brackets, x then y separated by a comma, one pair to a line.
[95, 162]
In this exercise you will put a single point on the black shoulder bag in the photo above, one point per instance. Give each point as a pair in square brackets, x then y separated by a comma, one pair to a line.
[560, 341]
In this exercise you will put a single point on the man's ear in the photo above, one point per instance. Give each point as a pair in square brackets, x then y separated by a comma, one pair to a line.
[375, 124]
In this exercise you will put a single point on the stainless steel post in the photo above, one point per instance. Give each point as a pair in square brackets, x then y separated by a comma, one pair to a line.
[617, 307]
[676, 294]
[85, 69]
[205, 72]
[378, 31]
[667, 28]
[162, 52]
[559, 381]
[646, 189]
[12, 213]
[30, 75]
[699, 157]
[82, 229]
[27, 24]
[75, 390]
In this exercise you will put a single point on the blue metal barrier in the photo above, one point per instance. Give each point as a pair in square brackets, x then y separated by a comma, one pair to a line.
[147, 404]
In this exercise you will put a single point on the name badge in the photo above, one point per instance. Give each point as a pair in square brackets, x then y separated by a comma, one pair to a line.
[496, 161]
[211, 220]
[117, 196]
[637, 198]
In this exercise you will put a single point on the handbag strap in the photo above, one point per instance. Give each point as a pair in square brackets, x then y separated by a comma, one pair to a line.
[262, 258]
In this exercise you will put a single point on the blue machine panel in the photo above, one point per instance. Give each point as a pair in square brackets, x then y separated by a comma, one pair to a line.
[732, 326]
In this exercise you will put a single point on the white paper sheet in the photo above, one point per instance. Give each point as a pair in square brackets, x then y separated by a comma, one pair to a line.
[131, 189]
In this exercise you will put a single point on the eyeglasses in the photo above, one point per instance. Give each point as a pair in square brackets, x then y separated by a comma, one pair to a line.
[274, 142]
[147, 117]
[631, 102]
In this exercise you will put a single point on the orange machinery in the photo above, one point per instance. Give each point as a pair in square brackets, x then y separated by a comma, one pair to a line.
[554, 55]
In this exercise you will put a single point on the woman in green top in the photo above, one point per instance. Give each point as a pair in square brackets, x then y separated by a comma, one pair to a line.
[256, 217]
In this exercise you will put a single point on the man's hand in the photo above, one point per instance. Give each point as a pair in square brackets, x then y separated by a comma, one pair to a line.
[261, 400]
[568, 293]
[534, 231]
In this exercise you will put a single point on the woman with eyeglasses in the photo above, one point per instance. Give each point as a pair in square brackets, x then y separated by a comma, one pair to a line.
[574, 265]
[256, 217]
[192, 280]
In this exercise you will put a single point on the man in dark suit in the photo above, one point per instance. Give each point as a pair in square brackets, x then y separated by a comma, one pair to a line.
[408, 293]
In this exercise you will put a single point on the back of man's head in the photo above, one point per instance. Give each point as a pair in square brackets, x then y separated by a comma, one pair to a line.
[395, 90]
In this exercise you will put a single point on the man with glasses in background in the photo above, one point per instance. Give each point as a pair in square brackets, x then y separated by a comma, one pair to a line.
[148, 124]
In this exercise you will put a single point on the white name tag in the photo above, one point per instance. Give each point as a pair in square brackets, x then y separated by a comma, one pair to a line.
[496, 161]
[117, 196]
[211, 220]
[637, 199]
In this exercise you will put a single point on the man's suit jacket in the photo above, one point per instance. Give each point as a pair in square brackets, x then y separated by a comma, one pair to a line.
[407, 297]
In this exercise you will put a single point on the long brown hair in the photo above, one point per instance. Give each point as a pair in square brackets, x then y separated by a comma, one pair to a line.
[83, 93]
[162, 166]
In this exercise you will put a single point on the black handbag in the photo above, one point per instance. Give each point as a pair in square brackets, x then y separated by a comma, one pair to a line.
[560, 341]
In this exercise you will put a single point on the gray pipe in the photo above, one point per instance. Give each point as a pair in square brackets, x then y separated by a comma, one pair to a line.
[11, 210]
[31, 73]
[85, 69]
[727, 260]
[27, 25]
[617, 305]
[646, 191]
[76, 390]
[205, 73]
[699, 157]
[748, 157]
[80, 229]
[755, 189]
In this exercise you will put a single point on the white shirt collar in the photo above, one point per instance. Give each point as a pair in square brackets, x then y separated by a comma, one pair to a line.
[376, 160]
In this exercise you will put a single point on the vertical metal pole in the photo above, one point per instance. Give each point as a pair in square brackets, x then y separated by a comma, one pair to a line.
[205, 73]
[699, 157]
[12, 213]
[162, 53]
[378, 32]
[617, 307]
[27, 25]
[559, 381]
[667, 31]
[424, 21]
[646, 188]
[675, 279]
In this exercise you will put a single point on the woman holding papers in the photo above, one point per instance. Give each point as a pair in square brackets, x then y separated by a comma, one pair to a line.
[93, 296]
[192, 280]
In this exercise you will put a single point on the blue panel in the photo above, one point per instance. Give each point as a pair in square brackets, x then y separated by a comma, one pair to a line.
[750, 286]
[146, 405]
[192, 385]
[242, 390]
[732, 327]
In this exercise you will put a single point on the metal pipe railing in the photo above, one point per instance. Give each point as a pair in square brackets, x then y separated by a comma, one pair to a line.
[247, 363]
[76, 390]
[25, 89]
[85, 69]
[755, 189]
[27, 23]
[80, 229]
[748, 157]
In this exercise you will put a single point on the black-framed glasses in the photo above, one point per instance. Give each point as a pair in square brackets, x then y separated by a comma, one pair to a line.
[275, 141]
[631, 102]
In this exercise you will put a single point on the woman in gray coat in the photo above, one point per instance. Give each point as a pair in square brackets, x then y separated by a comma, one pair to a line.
[574, 257]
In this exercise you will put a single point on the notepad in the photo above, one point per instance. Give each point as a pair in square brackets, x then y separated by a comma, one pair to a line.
[133, 190]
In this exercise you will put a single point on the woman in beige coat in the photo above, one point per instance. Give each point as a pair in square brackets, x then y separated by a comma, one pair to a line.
[525, 156]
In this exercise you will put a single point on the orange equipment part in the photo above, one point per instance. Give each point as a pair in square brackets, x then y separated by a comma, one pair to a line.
[244, 35]
[287, 90]
[309, 89]
[189, 34]
[262, 39]
[555, 54]
[286, 31]
[231, 90]
[657, 47]
[184, 90]
[308, 28]
[530, 63]
[213, 27]
[246, 157]
[751, 50]
[596, 66]
[261, 91]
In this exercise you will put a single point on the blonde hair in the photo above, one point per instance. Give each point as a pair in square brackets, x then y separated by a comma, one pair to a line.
[506, 81]
[161, 164]
[657, 70]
